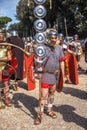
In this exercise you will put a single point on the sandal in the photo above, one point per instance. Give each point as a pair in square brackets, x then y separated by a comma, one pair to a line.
[15, 87]
[68, 82]
[8, 103]
[38, 119]
[52, 114]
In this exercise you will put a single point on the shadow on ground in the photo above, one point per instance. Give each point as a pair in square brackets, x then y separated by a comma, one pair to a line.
[75, 92]
[69, 115]
[29, 102]
[82, 71]
[23, 85]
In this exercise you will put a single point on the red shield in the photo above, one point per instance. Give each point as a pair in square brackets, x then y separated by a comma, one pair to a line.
[28, 71]
[59, 85]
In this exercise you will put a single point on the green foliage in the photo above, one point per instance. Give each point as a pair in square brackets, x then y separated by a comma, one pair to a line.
[19, 28]
[4, 21]
[75, 12]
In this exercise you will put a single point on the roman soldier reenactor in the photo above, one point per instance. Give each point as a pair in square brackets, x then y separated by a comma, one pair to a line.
[14, 39]
[5, 57]
[48, 79]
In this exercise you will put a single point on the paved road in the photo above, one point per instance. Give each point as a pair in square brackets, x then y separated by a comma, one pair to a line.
[70, 106]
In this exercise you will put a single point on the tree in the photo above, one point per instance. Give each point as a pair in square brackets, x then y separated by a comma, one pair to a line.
[75, 12]
[26, 16]
[19, 28]
[4, 21]
[61, 9]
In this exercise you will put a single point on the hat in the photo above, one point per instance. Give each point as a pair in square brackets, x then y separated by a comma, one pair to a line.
[76, 36]
[64, 46]
[52, 33]
[60, 35]
[14, 33]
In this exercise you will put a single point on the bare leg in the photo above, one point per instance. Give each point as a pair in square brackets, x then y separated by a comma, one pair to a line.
[44, 94]
[6, 93]
[16, 86]
[50, 111]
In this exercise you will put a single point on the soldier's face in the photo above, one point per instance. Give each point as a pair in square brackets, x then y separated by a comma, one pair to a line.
[53, 40]
[1, 37]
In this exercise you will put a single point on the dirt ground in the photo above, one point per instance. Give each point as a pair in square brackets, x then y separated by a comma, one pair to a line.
[70, 106]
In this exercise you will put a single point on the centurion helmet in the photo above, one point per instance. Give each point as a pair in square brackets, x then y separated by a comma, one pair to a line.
[14, 33]
[52, 33]
[64, 46]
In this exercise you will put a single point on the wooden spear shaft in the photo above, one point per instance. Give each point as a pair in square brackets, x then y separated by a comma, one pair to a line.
[66, 27]
[50, 4]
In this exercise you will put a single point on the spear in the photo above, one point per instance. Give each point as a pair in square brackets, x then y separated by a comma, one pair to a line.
[50, 4]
